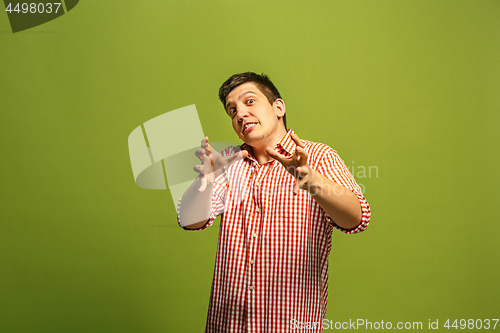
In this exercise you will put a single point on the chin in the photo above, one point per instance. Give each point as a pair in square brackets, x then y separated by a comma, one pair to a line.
[251, 138]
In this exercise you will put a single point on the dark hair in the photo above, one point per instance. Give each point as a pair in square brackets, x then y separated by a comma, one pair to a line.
[261, 81]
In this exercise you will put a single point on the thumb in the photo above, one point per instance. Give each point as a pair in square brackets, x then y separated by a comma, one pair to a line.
[239, 154]
[244, 154]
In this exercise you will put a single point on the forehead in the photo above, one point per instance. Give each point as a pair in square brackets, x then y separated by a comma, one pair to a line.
[241, 90]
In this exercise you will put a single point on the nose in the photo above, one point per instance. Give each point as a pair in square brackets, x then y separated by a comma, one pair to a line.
[241, 113]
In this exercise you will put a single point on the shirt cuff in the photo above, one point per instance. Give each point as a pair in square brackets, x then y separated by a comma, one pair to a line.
[365, 217]
[210, 221]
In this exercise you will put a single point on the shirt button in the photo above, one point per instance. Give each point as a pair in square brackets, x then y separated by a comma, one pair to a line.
[254, 235]
[252, 262]
[257, 184]
[251, 287]
[257, 209]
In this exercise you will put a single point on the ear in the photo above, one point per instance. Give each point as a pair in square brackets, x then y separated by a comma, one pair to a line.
[280, 108]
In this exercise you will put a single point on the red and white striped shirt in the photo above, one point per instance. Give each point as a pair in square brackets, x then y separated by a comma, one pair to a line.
[271, 270]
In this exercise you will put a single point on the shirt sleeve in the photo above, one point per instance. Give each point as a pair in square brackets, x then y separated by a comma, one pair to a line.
[216, 206]
[334, 168]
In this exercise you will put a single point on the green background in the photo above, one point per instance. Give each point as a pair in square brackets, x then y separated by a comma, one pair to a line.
[411, 87]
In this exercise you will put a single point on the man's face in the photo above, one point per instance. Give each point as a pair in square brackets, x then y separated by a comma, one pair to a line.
[254, 119]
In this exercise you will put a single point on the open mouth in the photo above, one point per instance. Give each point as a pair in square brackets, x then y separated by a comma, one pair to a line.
[248, 127]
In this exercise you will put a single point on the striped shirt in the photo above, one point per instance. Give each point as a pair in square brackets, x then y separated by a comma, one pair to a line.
[271, 269]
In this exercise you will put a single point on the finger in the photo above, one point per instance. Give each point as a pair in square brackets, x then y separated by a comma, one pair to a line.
[298, 185]
[198, 168]
[297, 141]
[206, 146]
[303, 151]
[200, 152]
[239, 155]
[204, 142]
[301, 173]
[211, 158]
[241, 150]
[302, 155]
[243, 154]
[203, 185]
[208, 149]
[296, 154]
[277, 156]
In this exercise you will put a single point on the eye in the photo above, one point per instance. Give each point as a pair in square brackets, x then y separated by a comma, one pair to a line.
[231, 111]
[250, 101]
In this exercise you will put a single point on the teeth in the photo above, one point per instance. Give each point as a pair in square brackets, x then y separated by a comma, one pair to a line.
[249, 125]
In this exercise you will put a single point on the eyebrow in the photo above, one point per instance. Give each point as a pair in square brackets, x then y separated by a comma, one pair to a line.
[241, 95]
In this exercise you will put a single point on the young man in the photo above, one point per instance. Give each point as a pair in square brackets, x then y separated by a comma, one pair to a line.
[280, 198]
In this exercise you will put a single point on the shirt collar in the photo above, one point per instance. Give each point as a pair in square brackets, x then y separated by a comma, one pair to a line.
[286, 146]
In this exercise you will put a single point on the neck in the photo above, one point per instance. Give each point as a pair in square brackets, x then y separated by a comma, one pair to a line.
[261, 156]
[259, 148]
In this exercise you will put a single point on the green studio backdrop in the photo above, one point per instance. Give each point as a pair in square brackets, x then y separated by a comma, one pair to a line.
[408, 88]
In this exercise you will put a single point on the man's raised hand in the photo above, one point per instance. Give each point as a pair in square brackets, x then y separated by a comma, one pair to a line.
[297, 164]
[213, 163]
